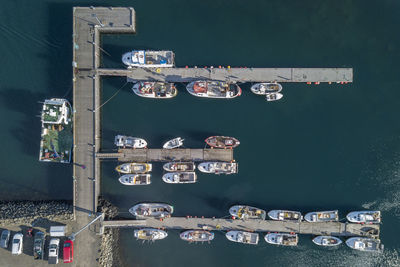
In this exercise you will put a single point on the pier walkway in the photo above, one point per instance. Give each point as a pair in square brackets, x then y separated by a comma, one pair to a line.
[321, 228]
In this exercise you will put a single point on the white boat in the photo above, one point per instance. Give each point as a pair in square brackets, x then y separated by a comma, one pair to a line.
[150, 234]
[284, 239]
[155, 210]
[273, 96]
[129, 141]
[265, 88]
[322, 216]
[285, 215]
[197, 236]
[155, 89]
[173, 143]
[134, 167]
[135, 179]
[180, 177]
[365, 244]
[242, 237]
[247, 212]
[179, 166]
[214, 89]
[217, 167]
[326, 241]
[149, 59]
[364, 216]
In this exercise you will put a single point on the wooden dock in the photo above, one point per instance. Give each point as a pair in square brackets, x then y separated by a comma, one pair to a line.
[165, 155]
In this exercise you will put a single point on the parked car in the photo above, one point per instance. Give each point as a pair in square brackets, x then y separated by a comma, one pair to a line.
[5, 238]
[16, 248]
[68, 251]
[53, 250]
[38, 246]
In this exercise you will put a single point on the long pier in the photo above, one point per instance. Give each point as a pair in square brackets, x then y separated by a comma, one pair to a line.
[320, 228]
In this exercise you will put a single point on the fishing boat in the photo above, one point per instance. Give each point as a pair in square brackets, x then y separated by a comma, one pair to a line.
[197, 236]
[214, 89]
[273, 96]
[222, 142]
[134, 167]
[322, 216]
[179, 166]
[180, 177]
[265, 88]
[247, 212]
[217, 167]
[129, 141]
[285, 215]
[173, 143]
[149, 59]
[284, 239]
[365, 244]
[135, 179]
[155, 210]
[149, 234]
[326, 241]
[155, 89]
[364, 216]
[242, 237]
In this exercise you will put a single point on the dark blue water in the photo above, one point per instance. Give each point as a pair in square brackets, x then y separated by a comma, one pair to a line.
[320, 147]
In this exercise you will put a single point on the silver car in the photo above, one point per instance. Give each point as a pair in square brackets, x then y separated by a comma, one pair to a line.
[5, 238]
[16, 248]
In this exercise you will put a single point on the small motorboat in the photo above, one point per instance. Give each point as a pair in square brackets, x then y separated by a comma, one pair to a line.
[129, 141]
[135, 179]
[273, 96]
[214, 89]
[180, 177]
[173, 143]
[179, 166]
[365, 244]
[364, 216]
[242, 237]
[217, 167]
[155, 89]
[326, 241]
[322, 216]
[222, 142]
[134, 167]
[197, 236]
[247, 212]
[150, 234]
[285, 215]
[155, 210]
[284, 239]
[149, 59]
[266, 88]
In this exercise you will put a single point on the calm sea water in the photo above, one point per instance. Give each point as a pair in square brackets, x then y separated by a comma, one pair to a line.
[320, 147]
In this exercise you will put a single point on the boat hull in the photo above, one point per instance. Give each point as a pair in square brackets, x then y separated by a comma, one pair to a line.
[273, 96]
[364, 217]
[180, 177]
[222, 142]
[197, 236]
[150, 234]
[218, 167]
[134, 168]
[135, 179]
[243, 237]
[365, 244]
[327, 241]
[233, 91]
[173, 143]
[129, 142]
[283, 239]
[264, 88]
[154, 210]
[156, 90]
[179, 166]
[285, 215]
[247, 212]
[149, 59]
[322, 216]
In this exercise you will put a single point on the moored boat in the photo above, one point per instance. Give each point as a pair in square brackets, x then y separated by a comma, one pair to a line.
[273, 96]
[214, 89]
[179, 166]
[285, 215]
[222, 142]
[155, 89]
[243, 237]
[284, 239]
[365, 244]
[265, 88]
[134, 167]
[217, 167]
[180, 177]
[173, 143]
[247, 212]
[150, 234]
[326, 241]
[364, 216]
[197, 236]
[149, 59]
[135, 179]
[322, 216]
[155, 210]
[129, 141]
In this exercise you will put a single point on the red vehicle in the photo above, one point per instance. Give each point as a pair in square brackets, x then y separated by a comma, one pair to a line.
[68, 251]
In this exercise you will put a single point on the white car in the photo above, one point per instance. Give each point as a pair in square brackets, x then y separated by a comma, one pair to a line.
[16, 248]
[53, 250]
